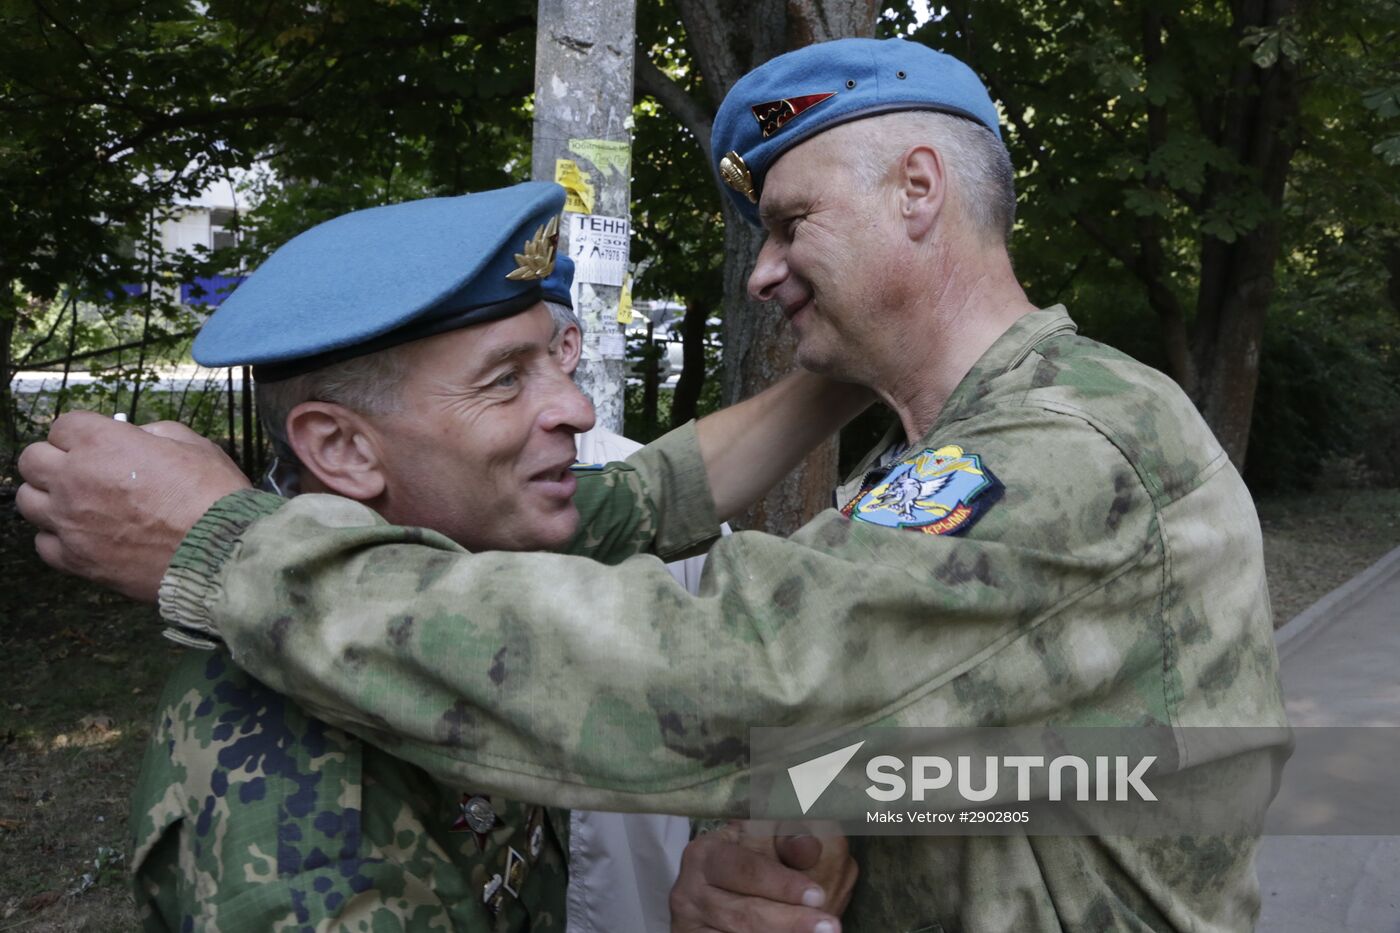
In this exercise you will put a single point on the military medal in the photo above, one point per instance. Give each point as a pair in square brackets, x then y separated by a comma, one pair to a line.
[773, 115]
[515, 871]
[476, 818]
[492, 894]
[534, 832]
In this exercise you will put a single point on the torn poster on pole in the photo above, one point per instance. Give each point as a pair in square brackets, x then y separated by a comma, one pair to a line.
[598, 246]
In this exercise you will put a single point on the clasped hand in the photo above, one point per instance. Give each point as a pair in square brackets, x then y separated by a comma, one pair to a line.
[112, 501]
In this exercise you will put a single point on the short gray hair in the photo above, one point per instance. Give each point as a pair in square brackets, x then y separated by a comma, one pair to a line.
[985, 187]
[366, 384]
[564, 316]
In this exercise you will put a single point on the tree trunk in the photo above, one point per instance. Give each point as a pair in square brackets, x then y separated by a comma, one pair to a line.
[1259, 127]
[9, 415]
[728, 40]
[9, 430]
[685, 400]
[1391, 260]
[583, 110]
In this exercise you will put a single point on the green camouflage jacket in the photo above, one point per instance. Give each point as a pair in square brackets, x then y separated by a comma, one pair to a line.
[249, 815]
[1107, 570]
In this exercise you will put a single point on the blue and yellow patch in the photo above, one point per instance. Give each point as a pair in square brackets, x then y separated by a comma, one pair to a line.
[938, 492]
[581, 467]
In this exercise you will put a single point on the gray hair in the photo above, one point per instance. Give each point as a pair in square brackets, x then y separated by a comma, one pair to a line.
[984, 187]
[564, 316]
[367, 384]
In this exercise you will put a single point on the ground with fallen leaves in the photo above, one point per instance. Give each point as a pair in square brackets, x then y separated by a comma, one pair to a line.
[80, 670]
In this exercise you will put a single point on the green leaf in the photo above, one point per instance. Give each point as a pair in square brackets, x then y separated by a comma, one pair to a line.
[1388, 150]
[1266, 51]
[1146, 203]
[1385, 102]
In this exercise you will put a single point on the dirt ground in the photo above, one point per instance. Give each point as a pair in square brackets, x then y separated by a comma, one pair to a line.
[1315, 543]
[80, 670]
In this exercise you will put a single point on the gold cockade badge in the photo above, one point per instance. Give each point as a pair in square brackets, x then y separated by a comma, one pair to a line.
[537, 261]
[736, 175]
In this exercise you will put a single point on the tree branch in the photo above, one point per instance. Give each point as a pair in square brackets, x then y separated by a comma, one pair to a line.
[118, 348]
[491, 32]
[673, 97]
[58, 319]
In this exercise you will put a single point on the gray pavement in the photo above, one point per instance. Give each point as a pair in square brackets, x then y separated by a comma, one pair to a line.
[1340, 665]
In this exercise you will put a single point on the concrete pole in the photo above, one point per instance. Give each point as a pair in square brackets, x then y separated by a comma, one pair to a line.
[583, 139]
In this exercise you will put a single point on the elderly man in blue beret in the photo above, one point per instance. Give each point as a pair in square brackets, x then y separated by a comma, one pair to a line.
[1050, 536]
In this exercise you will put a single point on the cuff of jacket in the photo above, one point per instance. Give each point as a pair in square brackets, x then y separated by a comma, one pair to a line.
[673, 474]
[191, 585]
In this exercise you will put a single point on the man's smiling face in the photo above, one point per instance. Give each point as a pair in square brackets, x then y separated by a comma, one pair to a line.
[822, 261]
[482, 441]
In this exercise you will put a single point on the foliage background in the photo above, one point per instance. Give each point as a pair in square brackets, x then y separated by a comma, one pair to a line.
[109, 111]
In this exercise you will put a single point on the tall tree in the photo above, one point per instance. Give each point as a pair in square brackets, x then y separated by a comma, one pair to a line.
[1163, 134]
[724, 40]
[109, 116]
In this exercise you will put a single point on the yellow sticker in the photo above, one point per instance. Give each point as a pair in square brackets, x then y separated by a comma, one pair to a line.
[607, 155]
[578, 189]
[624, 302]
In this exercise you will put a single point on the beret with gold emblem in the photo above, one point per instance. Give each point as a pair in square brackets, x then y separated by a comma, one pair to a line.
[376, 278]
[793, 97]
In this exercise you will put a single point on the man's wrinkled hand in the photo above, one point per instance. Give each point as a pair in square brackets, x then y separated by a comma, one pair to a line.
[112, 501]
[823, 854]
[733, 881]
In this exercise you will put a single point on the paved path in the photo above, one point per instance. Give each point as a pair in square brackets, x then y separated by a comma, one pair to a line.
[1340, 664]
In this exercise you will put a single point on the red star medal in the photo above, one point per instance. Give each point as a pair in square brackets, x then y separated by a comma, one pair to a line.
[476, 818]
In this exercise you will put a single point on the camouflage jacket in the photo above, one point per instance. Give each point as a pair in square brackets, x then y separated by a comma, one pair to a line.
[250, 815]
[1112, 575]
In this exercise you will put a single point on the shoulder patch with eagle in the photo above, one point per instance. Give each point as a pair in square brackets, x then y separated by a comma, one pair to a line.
[938, 492]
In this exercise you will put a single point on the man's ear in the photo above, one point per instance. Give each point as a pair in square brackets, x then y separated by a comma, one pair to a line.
[922, 186]
[339, 447]
[570, 348]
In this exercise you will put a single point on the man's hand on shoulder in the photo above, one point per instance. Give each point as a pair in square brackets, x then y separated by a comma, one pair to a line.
[112, 501]
[734, 880]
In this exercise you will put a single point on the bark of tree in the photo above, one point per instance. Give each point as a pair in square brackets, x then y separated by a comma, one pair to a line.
[729, 39]
[1237, 279]
[1391, 260]
[9, 421]
[9, 430]
[685, 399]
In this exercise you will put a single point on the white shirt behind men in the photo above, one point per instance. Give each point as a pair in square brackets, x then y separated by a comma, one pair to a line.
[622, 865]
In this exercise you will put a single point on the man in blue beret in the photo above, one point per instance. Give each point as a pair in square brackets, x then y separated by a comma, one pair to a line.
[1050, 536]
[460, 418]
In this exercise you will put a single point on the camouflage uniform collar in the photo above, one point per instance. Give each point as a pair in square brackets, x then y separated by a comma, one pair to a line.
[1008, 352]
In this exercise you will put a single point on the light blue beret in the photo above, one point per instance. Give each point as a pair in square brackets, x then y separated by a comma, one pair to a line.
[380, 277]
[793, 97]
[555, 286]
